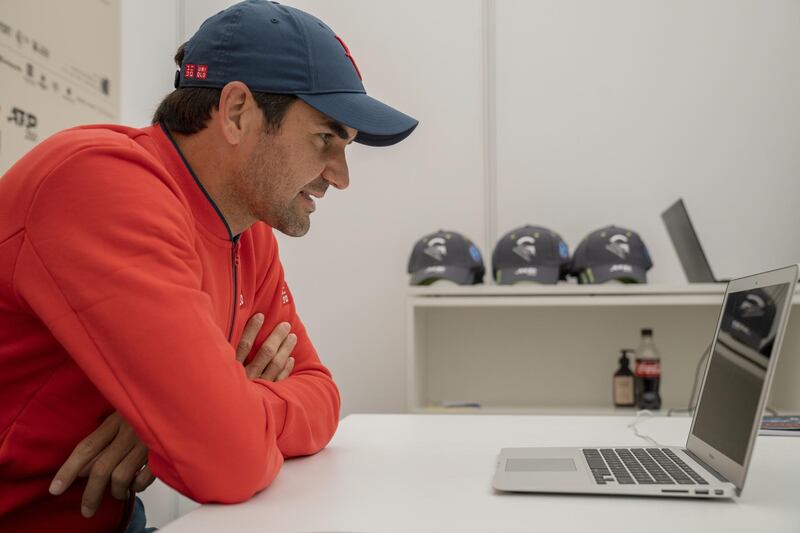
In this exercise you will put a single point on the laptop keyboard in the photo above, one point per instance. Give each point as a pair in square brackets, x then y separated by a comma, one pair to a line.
[643, 466]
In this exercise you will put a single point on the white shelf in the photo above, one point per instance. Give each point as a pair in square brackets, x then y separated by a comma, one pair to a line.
[569, 295]
[541, 349]
[566, 289]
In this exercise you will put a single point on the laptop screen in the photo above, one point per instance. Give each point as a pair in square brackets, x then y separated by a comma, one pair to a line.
[727, 408]
[687, 245]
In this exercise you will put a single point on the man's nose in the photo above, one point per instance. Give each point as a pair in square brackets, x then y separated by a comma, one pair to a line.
[336, 172]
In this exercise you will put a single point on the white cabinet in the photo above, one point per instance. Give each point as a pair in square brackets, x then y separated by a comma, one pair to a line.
[540, 349]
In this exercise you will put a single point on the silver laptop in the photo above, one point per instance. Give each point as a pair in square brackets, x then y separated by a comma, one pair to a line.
[745, 349]
[687, 244]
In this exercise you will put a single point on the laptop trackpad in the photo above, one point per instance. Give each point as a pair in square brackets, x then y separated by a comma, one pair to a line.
[540, 465]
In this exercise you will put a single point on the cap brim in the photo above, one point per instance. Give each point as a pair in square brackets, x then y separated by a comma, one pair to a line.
[509, 276]
[603, 273]
[377, 123]
[461, 276]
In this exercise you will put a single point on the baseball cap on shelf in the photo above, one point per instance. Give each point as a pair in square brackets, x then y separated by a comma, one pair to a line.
[611, 253]
[445, 255]
[279, 49]
[530, 253]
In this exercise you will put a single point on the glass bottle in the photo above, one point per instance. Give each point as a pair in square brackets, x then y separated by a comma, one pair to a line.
[624, 389]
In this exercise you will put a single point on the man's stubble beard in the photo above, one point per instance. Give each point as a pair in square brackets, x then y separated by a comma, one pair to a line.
[265, 177]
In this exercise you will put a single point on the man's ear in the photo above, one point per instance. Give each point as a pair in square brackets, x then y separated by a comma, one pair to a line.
[235, 104]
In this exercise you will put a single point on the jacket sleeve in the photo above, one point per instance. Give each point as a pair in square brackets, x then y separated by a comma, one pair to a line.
[312, 399]
[109, 266]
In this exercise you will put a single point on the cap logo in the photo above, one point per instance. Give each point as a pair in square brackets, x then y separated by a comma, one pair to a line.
[349, 56]
[563, 251]
[437, 248]
[527, 271]
[525, 248]
[190, 70]
[753, 306]
[621, 268]
[618, 245]
[735, 324]
[476, 255]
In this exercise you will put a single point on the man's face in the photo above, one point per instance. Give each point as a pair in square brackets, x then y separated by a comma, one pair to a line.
[287, 169]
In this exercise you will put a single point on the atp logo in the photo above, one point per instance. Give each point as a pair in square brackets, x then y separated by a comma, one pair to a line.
[525, 248]
[618, 245]
[437, 248]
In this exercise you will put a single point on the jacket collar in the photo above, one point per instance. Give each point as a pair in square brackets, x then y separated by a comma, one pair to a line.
[203, 206]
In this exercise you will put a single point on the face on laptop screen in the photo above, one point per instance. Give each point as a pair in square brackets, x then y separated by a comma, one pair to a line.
[727, 408]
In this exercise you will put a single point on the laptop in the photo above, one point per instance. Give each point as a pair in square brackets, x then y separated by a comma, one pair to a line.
[714, 462]
[687, 245]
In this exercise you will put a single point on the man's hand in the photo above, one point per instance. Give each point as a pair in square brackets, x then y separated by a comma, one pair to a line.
[273, 360]
[112, 452]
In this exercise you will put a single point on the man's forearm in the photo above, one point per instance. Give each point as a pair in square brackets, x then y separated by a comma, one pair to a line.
[311, 412]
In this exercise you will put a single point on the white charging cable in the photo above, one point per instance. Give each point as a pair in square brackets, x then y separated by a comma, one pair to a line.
[636, 421]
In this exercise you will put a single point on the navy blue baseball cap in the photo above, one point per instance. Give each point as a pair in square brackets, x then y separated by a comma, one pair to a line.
[611, 253]
[445, 255]
[279, 49]
[530, 253]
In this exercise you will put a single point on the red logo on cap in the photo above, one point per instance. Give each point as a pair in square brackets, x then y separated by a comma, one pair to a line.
[349, 56]
[188, 70]
[202, 71]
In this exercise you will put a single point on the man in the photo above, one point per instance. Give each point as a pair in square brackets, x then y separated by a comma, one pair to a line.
[133, 260]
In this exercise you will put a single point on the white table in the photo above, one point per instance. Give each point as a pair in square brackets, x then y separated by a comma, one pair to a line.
[411, 473]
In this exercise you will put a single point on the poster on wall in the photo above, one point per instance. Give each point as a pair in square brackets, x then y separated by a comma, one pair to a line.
[59, 67]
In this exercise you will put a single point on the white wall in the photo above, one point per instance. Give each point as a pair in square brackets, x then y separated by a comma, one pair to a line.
[609, 111]
[605, 112]
[150, 30]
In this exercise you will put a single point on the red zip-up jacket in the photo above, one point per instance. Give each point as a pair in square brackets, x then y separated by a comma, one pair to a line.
[122, 288]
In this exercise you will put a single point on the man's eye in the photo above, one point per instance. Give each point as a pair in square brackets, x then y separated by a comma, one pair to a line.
[326, 138]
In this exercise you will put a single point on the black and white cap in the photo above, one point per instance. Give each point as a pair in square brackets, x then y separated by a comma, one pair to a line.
[530, 253]
[445, 255]
[611, 253]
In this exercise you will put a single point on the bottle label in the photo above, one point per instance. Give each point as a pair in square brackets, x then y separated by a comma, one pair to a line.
[648, 368]
[623, 390]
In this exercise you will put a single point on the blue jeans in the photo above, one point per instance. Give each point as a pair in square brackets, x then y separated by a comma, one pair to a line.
[139, 520]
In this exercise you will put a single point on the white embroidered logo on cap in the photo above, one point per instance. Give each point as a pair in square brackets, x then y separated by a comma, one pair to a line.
[618, 245]
[525, 248]
[437, 248]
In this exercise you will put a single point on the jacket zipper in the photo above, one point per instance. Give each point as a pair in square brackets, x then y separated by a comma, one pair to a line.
[235, 269]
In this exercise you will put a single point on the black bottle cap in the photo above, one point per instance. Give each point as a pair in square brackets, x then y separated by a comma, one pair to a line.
[647, 331]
